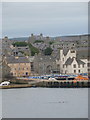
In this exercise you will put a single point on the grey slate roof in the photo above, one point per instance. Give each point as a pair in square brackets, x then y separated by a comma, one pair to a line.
[13, 60]
[44, 58]
[82, 53]
[70, 60]
[65, 51]
[79, 61]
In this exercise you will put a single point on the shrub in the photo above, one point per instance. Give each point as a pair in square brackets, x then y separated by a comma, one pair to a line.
[20, 44]
[39, 41]
[48, 51]
[33, 49]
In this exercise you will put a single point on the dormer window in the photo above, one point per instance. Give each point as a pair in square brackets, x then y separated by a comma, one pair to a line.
[72, 51]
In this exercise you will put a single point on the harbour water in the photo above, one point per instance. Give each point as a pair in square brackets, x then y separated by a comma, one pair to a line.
[45, 103]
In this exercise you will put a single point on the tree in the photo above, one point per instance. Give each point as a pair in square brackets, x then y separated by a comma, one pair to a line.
[33, 49]
[48, 51]
[39, 41]
[51, 42]
[20, 44]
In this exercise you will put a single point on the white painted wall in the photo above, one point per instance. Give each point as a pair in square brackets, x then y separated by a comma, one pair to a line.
[70, 69]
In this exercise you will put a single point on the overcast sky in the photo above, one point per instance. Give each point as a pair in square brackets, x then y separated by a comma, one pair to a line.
[53, 19]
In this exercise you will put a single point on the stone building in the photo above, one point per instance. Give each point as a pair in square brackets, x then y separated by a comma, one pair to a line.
[41, 46]
[23, 50]
[73, 62]
[33, 38]
[20, 66]
[4, 70]
[43, 65]
[6, 49]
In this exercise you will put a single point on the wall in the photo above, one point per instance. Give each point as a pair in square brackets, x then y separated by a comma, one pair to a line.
[20, 69]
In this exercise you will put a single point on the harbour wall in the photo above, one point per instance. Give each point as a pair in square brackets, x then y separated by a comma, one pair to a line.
[50, 84]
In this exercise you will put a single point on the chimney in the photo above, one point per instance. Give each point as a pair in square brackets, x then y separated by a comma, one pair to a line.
[61, 54]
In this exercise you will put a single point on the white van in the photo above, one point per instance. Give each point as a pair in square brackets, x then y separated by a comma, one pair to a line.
[5, 83]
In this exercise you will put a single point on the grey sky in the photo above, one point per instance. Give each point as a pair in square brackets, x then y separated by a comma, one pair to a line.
[53, 19]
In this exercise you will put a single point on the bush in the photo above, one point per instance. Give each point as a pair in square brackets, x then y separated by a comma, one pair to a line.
[48, 51]
[33, 49]
[51, 42]
[20, 44]
[39, 41]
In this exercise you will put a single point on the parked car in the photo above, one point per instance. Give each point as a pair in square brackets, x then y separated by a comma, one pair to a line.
[5, 83]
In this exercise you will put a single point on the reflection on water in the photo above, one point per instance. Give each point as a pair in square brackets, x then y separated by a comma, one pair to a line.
[45, 103]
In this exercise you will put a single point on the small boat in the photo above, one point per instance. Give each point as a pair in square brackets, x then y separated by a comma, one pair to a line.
[52, 79]
[80, 77]
[65, 77]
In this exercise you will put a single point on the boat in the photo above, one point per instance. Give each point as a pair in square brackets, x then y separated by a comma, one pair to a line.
[65, 77]
[52, 79]
[80, 77]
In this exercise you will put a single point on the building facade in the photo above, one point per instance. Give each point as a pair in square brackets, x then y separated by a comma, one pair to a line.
[70, 63]
[43, 65]
[20, 66]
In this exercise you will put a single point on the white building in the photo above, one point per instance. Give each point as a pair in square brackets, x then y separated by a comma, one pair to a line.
[71, 62]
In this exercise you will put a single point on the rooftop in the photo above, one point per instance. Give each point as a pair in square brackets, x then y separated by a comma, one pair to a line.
[13, 59]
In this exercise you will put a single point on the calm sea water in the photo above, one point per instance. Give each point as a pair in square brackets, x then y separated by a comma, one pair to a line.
[45, 103]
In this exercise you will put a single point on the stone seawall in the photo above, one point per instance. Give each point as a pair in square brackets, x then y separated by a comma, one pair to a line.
[64, 84]
[51, 84]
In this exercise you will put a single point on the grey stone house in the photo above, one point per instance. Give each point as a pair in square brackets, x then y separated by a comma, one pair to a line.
[44, 64]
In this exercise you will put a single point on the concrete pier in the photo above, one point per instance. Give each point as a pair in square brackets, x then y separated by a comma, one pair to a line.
[51, 84]
[64, 84]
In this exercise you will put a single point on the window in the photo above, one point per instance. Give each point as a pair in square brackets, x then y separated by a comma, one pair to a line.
[63, 66]
[18, 68]
[14, 73]
[18, 73]
[83, 65]
[72, 51]
[79, 71]
[58, 65]
[26, 73]
[78, 66]
[74, 71]
[32, 67]
[11, 73]
[88, 64]
[65, 71]
[74, 65]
